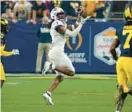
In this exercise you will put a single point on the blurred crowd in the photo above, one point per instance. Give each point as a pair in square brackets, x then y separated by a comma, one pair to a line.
[31, 11]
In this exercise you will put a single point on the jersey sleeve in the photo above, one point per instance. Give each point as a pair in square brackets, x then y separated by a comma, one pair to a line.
[5, 53]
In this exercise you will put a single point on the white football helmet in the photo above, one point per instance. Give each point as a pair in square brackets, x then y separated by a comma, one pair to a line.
[58, 13]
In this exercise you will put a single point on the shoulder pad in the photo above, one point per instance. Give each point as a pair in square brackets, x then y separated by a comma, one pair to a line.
[58, 23]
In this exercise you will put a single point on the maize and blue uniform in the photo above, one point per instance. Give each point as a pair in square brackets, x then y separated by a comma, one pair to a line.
[4, 30]
[3, 53]
[124, 63]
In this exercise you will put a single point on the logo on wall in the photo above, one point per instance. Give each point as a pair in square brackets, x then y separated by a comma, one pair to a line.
[74, 43]
[102, 43]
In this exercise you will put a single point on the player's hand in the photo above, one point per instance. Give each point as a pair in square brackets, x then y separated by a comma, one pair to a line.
[15, 52]
[83, 20]
[79, 10]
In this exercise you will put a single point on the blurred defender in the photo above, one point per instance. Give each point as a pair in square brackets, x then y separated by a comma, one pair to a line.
[124, 63]
[60, 61]
[4, 30]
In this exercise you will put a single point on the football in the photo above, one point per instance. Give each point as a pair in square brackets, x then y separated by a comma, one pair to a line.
[80, 10]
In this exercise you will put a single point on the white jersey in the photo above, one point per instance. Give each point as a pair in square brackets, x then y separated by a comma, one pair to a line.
[58, 40]
[56, 54]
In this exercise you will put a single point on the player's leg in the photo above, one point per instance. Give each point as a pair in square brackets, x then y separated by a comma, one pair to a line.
[64, 66]
[48, 94]
[54, 85]
[2, 75]
[121, 98]
[60, 63]
[39, 57]
[2, 82]
[128, 69]
[122, 84]
[65, 70]
[56, 82]
[122, 78]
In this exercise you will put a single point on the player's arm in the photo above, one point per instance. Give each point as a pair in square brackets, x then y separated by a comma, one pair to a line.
[63, 30]
[8, 53]
[113, 47]
[72, 27]
[79, 12]
[5, 53]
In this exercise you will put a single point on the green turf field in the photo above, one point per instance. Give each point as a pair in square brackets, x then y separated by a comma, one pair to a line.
[24, 94]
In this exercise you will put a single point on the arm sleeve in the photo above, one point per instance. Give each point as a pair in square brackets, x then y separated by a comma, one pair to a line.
[74, 32]
[5, 53]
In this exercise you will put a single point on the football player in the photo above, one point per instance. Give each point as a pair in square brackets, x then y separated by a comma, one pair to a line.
[124, 62]
[60, 61]
[4, 30]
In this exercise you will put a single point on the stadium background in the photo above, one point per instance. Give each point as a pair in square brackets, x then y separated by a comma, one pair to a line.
[90, 55]
[89, 51]
[87, 55]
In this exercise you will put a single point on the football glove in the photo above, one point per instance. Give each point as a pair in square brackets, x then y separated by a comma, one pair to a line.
[15, 52]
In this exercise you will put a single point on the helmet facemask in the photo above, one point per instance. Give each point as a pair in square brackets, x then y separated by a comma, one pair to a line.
[61, 16]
